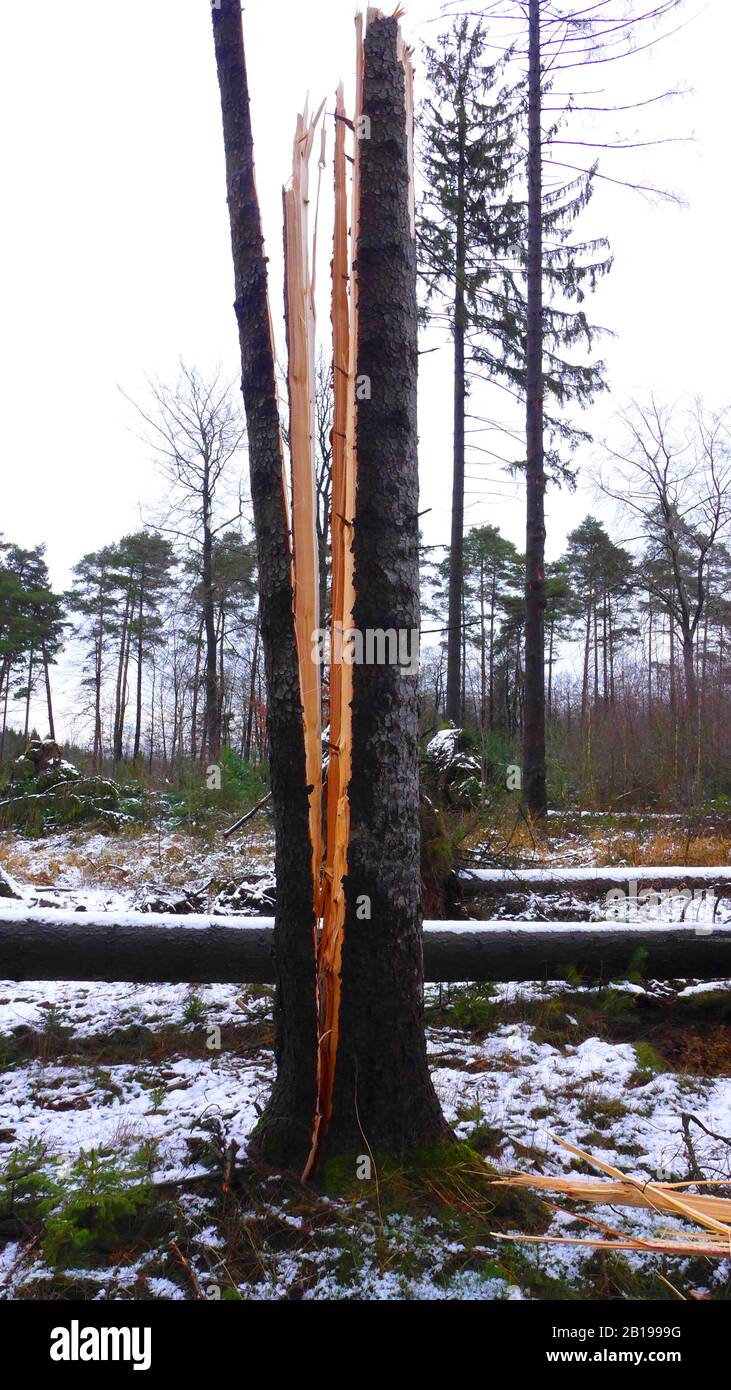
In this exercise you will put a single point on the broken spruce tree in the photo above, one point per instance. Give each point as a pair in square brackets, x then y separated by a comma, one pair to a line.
[352, 1074]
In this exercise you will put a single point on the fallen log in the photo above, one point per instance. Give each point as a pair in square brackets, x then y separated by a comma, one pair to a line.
[243, 819]
[593, 883]
[146, 948]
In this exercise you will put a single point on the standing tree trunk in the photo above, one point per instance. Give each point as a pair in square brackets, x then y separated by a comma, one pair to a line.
[383, 1095]
[649, 661]
[8, 668]
[284, 1133]
[493, 601]
[98, 667]
[551, 629]
[140, 659]
[456, 548]
[119, 698]
[49, 701]
[534, 725]
[483, 664]
[212, 743]
[28, 692]
[196, 689]
[585, 677]
[691, 684]
[252, 693]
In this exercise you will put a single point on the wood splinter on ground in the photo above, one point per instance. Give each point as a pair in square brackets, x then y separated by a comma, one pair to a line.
[713, 1213]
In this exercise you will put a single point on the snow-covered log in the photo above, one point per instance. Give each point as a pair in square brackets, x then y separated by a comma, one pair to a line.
[147, 947]
[589, 882]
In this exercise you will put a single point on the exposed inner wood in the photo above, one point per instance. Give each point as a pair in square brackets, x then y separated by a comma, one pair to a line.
[344, 327]
[300, 316]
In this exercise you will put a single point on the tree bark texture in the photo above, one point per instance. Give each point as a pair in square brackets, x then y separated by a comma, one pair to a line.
[284, 1132]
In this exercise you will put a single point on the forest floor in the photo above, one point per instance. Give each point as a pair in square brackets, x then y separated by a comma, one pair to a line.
[118, 1120]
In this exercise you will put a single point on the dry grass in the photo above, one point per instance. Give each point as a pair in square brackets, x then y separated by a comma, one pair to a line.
[133, 857]
[514, 840]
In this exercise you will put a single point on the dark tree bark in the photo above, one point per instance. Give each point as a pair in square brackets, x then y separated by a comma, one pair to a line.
[152, 947]
[534, 725]
[383, 1094]
[284, 1132]
[456, 547]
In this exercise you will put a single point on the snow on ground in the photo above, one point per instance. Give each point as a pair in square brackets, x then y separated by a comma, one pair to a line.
[71, 1090]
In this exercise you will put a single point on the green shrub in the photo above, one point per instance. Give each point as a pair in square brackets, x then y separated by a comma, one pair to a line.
[29, 1186]
[98, 1206]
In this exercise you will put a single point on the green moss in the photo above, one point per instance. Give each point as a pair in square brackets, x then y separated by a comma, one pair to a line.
[649, 1062]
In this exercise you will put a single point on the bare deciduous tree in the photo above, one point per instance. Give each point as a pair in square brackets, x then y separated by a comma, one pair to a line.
[196, 431]
[673, 472]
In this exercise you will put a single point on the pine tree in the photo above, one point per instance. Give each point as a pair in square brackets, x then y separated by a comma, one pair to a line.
[468, 224]
[492, 578]
[94, 601]
[32, 621]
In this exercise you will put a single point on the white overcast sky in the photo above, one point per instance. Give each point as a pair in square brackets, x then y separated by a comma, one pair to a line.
[116, 258]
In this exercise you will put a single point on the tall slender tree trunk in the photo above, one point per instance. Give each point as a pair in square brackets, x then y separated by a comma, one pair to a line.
[213, 712]
[31, 655]
[483, 658]
[612, 692]
[605, 664]
[673, 696]
[284, 1132]
[97, 754]
[596, 656]
[534, 724]
[119, 697]
[252, 693]
[691, 684]
[383, 1096]
[493, 602]
[8, 669]
[456, 549]
[196, 689]
[587, 647]
[221, 686]
[550, 666]
[463, 673]
[140, 662]
[649, 662]
[49, 701]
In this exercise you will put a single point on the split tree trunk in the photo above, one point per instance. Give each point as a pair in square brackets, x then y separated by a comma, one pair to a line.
[534, 726]
[383, 1095]
[284, 1132]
